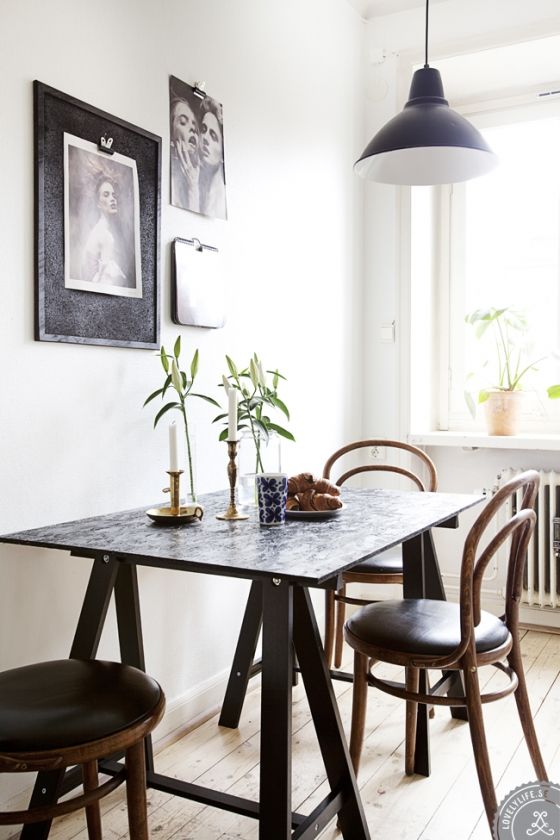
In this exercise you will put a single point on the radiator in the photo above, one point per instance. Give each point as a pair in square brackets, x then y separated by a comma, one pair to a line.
[541, 581]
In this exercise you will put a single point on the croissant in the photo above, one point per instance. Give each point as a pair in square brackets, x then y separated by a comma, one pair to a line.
[300, 483]
[292, 503]
[323, 485]
[310, 500]
[306, 500]
[326, 501]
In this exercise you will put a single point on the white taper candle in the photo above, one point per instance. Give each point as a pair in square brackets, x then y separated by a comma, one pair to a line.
[173, 448]
[232, 414]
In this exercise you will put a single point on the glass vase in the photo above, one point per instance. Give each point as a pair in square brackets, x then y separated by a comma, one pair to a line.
[271, 459]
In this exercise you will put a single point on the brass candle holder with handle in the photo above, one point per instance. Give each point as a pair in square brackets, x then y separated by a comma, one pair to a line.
[232, 513]
[176, 513]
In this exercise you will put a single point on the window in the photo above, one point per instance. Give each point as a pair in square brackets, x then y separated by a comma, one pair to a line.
[496, 242]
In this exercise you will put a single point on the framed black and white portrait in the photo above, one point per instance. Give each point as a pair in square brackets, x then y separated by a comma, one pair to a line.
[101, 221]
[198, 180]
[97, 225]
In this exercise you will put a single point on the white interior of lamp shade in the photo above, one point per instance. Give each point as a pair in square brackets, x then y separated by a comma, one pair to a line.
[428, 165]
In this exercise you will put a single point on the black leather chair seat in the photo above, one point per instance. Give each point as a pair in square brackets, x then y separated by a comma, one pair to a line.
[52, 705]
[430, 628]
[386, 563]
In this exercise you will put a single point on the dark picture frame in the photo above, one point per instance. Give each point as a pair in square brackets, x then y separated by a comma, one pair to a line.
[86, 313]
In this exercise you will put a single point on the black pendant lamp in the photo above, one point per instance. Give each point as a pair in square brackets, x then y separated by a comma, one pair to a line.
[428, 142]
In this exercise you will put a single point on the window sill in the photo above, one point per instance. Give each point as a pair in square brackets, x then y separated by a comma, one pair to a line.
[479, 440]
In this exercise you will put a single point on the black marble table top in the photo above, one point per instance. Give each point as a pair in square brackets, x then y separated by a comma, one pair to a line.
[309, 552]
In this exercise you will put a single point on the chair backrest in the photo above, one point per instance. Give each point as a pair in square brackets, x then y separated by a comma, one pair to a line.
[429, 485]
[519, 528]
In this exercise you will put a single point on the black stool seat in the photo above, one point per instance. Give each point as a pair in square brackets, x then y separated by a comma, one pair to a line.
[386, 564]
[428, 628]
[53, 705]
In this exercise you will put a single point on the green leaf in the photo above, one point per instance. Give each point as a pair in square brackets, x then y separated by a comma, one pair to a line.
[471, 405]
[481, 328]
[184, 379]
[194, 365]
[281, 431]
[278, 375]
[166, 385]
[153, 396]
[232, 367]
[176, 377]
[262, 426]
[223, 434]
[164, 359]
[211, 400]
[279, 404]
[219, 417]
[553, 392]
[483, 396]
[164, 410]
[177, 348]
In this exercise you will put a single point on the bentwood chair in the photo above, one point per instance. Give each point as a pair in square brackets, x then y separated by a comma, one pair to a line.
[422, 634]
[385, 568]
[55, 715]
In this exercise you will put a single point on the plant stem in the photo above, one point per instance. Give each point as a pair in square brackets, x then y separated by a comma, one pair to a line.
[506, 356]
[189, 452]
[256, 439]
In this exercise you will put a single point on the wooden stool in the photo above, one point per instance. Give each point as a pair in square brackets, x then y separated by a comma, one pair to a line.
[422, 634]
[69, 712]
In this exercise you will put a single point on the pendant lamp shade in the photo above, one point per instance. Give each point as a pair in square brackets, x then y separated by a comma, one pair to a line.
[428, 142]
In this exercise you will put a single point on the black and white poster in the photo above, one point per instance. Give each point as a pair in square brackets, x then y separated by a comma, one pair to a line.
[198, 180]
[101, 220]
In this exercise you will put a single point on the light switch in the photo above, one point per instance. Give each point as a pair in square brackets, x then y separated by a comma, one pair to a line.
[388, 333]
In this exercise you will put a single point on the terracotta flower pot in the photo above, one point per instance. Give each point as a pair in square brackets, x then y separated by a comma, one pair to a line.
[503, 410]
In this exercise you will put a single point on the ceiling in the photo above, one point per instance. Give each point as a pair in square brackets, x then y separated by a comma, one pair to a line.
[375, 8]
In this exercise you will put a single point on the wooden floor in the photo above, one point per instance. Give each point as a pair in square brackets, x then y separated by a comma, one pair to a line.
[447, 805]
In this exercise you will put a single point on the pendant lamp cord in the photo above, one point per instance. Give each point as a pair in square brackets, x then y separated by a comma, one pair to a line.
[427, 18]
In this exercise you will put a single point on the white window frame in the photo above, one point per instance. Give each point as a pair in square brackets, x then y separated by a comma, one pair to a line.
[434, 415]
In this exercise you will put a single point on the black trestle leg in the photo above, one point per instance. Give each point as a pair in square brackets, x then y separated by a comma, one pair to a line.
[276, 712]
[243, 659]
[326, 718]
[129, 623]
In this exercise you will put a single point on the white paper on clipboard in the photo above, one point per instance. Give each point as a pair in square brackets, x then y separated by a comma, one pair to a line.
[198, 298]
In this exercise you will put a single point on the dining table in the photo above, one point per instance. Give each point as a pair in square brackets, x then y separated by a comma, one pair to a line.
[283, 564]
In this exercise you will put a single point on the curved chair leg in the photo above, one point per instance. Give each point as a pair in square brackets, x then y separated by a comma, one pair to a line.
[412, 683]
[478, 738]
[329, 625]
[136, 792]
[525, 716]
[339, 636]
[359, 706]
[93, 811]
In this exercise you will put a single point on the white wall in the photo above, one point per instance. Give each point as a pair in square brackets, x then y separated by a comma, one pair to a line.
[455, 27]
[74, 440]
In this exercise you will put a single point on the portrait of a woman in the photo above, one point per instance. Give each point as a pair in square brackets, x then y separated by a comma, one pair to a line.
[102, 241]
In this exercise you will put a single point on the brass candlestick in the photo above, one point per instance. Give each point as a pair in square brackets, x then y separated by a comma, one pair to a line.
[232, 512]
[173, 489]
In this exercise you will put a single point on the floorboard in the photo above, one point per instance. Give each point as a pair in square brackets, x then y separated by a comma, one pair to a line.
[447, 805]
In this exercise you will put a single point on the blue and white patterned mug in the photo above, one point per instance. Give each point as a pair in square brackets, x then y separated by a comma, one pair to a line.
[272, 492]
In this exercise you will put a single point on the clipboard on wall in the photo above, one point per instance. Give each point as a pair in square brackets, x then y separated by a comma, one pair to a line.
[198, 295]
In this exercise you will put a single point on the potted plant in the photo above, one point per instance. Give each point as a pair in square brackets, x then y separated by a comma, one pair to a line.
[258, 398]
[180, 382]
[506, 329]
